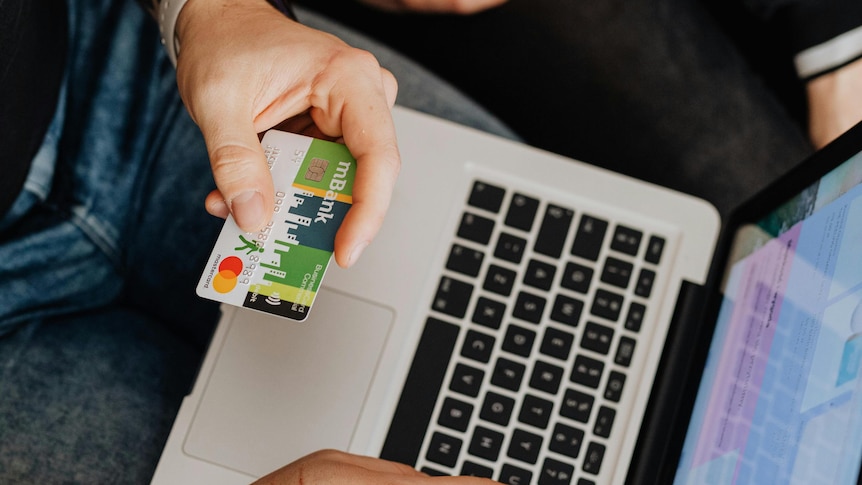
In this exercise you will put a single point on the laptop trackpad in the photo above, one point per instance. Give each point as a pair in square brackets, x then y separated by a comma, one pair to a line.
[282, 389]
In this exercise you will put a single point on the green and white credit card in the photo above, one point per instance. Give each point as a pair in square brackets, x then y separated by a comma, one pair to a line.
[279, 269]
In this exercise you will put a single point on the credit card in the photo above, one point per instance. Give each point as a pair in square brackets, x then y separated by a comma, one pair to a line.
[278, 270]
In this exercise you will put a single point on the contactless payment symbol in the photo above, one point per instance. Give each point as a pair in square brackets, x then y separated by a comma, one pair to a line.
[228, 271]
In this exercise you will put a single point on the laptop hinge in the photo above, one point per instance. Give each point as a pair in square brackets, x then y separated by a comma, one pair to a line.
[661, 434]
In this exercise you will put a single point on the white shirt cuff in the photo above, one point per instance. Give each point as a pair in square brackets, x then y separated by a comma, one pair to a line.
[829, 55]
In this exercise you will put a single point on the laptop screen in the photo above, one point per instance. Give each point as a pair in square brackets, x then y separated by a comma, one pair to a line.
[781, 396]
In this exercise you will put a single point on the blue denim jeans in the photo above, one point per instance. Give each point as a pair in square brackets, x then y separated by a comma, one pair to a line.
[101, 330]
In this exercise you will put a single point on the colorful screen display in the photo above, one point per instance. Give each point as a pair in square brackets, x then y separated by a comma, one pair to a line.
[781, 397]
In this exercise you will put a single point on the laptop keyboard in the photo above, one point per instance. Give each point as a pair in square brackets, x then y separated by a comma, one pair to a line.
[529, 339]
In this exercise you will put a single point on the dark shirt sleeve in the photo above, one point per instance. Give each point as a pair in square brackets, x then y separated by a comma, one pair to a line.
[824, 35]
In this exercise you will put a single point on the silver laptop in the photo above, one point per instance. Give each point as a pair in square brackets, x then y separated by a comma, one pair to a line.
[533, 319]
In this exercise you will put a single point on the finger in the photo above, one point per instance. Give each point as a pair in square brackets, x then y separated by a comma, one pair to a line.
[238, 165]
[358, 108]
[382, 471]
[390, 86]
[376, 173]
[368, 463]
[304, 125]
[216, 205]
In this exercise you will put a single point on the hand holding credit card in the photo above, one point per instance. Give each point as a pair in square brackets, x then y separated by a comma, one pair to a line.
[278, 270]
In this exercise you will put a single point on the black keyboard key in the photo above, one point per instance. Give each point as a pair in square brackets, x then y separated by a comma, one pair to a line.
[497, 408]
[522, 212]
[626, 240]
[486, 443]
[535, 411]
[455, 414]
[525, 446]
[433, 472]
[467, 380]
[597, 338]
[607, 305]
[419, 395]
[577, 277]
[486, 196]
[577, 405]
[529, 307]
[557, 343]
[635, 317]
[539, 275]
[625, 351]
[489, 313]
[567, 310]
[553, 231]
[510, 248]
[589, 238]
[465, 260]
[655, 247]
[478, 346]
[546, 377]
[519, 340]
[499, 280]
[614, 386]
[475, 228]
[556, 472]
[452, 297]
[508, 374]
[470, 469]
[587, 371]
[593, 459]
[617, 272]
[604, 421]
[512, 475]
[643, 287]
[584, 481]
[566, 440]
[444, 449]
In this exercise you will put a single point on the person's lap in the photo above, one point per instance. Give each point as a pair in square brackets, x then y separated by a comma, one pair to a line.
[90, 398]
[101, 330]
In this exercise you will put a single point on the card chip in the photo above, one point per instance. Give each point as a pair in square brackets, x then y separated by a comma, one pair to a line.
[316, 169]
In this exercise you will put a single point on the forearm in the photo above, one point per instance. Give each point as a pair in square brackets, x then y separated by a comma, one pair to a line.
[835, 102]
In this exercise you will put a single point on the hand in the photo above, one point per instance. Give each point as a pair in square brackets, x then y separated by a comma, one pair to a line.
[834, 103]
[463, 7]
[243, 68]
[332, 467]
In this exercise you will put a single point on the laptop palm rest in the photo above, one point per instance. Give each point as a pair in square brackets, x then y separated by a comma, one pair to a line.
[304, 391]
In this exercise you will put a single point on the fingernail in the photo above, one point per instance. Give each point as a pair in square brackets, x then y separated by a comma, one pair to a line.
[356, 253]
[247, 210]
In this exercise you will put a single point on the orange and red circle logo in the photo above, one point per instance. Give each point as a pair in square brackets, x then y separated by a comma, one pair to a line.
[228, 272]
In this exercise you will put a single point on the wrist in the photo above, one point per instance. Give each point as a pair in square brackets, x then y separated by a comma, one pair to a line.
[172, 17]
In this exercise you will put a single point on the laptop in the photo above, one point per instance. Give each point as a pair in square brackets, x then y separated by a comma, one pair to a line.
[534, 319]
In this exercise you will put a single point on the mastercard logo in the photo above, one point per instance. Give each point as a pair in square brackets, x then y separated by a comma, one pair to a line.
[228, 272]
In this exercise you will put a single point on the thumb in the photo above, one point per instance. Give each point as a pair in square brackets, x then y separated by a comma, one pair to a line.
[241, 174]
